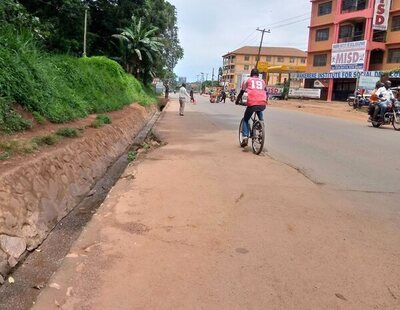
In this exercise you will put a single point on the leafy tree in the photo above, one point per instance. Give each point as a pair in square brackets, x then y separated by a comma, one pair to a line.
[13, 14]
[60, 25]
[63, 20]
[139, 46]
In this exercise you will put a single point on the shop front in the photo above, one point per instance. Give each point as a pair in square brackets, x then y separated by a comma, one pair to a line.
[338, 86]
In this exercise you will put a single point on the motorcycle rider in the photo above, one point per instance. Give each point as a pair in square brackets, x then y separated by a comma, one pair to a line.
[374, 100]
[232, 94]
[386, 97]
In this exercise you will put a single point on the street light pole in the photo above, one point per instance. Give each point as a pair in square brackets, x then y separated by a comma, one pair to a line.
[85, 33]
[263, 31]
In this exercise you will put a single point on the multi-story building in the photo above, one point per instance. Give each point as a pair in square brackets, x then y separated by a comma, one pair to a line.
[242, 60]
[340, 21]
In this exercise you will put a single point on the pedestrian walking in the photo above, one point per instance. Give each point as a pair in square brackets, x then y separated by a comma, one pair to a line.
[182, 99]
[192, 97]
[223, 96]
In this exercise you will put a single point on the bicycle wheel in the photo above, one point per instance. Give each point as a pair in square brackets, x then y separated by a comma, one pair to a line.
[258, 137]
[240, 132]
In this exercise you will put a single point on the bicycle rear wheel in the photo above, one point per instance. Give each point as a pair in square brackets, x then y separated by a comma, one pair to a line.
[258, 137]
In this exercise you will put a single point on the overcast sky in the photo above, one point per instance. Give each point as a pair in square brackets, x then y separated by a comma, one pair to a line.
[209, 29]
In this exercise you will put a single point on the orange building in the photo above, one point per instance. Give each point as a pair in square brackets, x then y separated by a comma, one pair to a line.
[345, 21]
[242, 60]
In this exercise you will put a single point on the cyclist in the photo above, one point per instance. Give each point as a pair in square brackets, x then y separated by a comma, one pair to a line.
[256, 101]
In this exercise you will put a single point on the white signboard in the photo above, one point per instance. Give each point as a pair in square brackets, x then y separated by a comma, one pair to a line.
[313, 93]
[348, 56]
[341, 75]
[381, 15]
[368, 83]
[318, 84]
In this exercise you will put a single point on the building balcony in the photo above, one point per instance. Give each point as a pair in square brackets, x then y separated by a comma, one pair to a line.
[351, 39]
[352, 30]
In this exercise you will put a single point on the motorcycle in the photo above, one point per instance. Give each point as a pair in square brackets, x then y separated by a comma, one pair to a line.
[233, 98]
[391, 117]
[358, 101]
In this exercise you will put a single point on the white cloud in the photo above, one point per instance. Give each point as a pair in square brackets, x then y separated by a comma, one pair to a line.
[209, 29]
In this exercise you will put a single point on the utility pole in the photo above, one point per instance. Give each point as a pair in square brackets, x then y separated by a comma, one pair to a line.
[212, 80]
[263, 31]
[85, 33]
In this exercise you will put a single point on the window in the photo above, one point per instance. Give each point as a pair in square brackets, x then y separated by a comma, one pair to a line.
[396, 23]
[281, 59]
[247, 58]
[354, 5]
[379, 36]
[246, 67]
[322, 34]
[394, 56]
[376, 57]
[320, 60]
[303, 60]
[345, 33]
[292, 60]
[325, 8]
[269, 58]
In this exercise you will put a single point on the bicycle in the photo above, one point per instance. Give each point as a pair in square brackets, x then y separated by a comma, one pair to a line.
[257, 133]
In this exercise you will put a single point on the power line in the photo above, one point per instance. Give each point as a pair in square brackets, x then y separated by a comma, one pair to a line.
[292, 23]
[287, 19]
[253, 35]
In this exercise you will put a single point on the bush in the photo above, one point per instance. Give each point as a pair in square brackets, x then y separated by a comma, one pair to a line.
[46, 140]
[97, 124]
[105, 119]
[38, 118]
[67, 132]
[61, 88]
[11, 121]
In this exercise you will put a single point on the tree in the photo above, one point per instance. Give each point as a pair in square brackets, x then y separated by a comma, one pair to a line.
[139, 46]
[63, 20]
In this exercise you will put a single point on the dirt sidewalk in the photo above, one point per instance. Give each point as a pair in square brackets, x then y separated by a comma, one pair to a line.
[200, 224]
[333, 109]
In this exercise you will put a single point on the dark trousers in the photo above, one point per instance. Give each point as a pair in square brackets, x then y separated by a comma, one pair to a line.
[247, 115]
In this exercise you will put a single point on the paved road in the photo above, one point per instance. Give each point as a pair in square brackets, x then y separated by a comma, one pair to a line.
[341, 154]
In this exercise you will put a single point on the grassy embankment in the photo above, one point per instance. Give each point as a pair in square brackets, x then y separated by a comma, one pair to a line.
[58, 88]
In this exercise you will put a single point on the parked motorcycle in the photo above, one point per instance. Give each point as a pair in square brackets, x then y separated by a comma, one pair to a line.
[358, 101]
[391, 117]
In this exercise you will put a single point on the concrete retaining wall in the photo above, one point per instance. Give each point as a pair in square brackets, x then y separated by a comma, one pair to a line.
[37, 194]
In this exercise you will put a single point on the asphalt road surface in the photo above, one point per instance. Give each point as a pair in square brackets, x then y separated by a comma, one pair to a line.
[350, 159]
[342, 154]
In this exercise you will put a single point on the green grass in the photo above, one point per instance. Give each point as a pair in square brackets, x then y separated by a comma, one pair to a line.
[67, 132]
[38, 118]
[59, 88]
[100, 121]
[9, 148]
[131, 156]
[11, 121]
[105, 119]
[47, 140]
